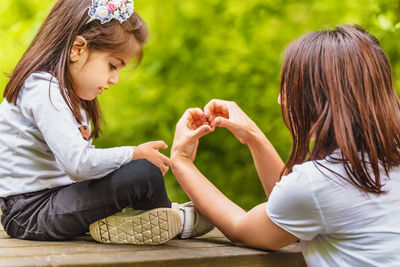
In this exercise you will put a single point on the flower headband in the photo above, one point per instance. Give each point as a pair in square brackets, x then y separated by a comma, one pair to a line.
[106, 10]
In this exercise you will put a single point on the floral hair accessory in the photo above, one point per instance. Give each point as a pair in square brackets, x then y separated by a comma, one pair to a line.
[106, 10]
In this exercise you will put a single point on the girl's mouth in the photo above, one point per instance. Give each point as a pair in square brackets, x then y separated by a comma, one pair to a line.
[101, 90]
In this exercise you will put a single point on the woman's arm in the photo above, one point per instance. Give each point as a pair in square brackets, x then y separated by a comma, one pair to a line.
[253, 228]
[269, 164]
[267, 160]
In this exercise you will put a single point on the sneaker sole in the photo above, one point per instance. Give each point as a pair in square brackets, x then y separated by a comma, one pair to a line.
[151, 227]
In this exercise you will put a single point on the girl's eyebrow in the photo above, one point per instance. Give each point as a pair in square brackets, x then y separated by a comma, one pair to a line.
[122, 61]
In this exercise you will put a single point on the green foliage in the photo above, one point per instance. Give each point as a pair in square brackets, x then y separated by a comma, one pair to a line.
[199, 50]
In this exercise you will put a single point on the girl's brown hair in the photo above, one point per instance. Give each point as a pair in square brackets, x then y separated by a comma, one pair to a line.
[337, 89]
[50, 51]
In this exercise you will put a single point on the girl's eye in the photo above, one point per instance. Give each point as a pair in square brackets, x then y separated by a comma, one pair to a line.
[113, 67]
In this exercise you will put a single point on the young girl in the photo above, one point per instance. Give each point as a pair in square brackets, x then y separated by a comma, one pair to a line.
[338, 195]
[53, 182]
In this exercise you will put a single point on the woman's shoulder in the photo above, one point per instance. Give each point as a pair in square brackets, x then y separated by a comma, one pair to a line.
[314, 177]
[307, 183]
[331, 166]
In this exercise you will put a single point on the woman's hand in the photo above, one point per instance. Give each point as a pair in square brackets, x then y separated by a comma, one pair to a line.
[228, 114]
[150, 152]
[192, 125]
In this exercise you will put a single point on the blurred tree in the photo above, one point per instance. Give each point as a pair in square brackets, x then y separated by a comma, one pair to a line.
[199, 50]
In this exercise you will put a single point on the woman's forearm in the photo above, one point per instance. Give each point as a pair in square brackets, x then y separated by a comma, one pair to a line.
[253, 228]
[267, 160]
[221, 211]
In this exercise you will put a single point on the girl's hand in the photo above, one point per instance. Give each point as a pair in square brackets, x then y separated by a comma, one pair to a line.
[228, 114]
[189, 129]
[150, 152]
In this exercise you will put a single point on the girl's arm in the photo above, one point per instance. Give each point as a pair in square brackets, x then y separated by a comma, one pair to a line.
[268, 162]
[44, 107]
[150, 151]
[253, 228]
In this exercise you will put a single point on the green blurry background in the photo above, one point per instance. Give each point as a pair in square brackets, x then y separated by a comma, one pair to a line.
[199, 50]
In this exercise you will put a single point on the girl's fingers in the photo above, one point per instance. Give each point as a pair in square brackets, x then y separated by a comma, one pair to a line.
[162, 164]
[159, 145]
[164, 169]
[164, 159]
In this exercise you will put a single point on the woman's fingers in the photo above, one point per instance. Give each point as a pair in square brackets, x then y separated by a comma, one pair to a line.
[201, 131]
[195, 118]
[222, 122]
[216, 108]
[209, 110]
[201, 122]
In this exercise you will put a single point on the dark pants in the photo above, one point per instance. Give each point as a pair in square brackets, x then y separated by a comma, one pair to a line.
[65, 212]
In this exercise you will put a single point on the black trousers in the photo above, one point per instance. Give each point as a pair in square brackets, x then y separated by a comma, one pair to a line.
[65, 212]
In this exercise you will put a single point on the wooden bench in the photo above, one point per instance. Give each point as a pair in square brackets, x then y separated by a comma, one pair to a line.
[212, 249]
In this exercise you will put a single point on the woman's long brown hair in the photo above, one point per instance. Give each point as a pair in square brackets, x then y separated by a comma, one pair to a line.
[337, 88]
[50, 51]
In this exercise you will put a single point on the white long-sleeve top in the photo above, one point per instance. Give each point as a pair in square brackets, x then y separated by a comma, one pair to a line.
[41, 145]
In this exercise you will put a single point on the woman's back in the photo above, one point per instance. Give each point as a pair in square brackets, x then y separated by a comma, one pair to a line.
[338, 223]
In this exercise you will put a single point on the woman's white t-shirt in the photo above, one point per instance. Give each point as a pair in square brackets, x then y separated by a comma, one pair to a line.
[43, 146]
[338, 224]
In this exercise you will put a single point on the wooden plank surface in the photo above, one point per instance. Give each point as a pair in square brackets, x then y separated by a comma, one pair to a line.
[212, 249]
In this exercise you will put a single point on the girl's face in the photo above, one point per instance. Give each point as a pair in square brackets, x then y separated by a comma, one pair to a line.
[95, 70]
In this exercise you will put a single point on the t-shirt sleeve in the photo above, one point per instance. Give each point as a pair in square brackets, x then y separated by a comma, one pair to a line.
[50, 113]
[292, 205]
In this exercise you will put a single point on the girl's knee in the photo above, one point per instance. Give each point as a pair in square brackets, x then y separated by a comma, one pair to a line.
[143, 171]
[139, 182]
[149, 188]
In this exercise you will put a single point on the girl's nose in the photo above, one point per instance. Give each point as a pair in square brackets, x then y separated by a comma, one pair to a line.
[113, 79]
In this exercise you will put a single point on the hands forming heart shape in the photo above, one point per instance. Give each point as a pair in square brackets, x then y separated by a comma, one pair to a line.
[197, 122]
[211, 115]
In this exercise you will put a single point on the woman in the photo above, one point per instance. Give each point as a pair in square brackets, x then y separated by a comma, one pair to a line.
[338, 192]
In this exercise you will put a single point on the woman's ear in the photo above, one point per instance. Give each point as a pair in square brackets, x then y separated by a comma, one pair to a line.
[79, 48]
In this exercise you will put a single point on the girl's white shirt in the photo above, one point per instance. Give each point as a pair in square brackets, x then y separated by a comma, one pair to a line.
[338, 224]
[40, 143]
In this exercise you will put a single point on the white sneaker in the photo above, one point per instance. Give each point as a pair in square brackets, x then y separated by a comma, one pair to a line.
[193, 223]
[151, 227]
